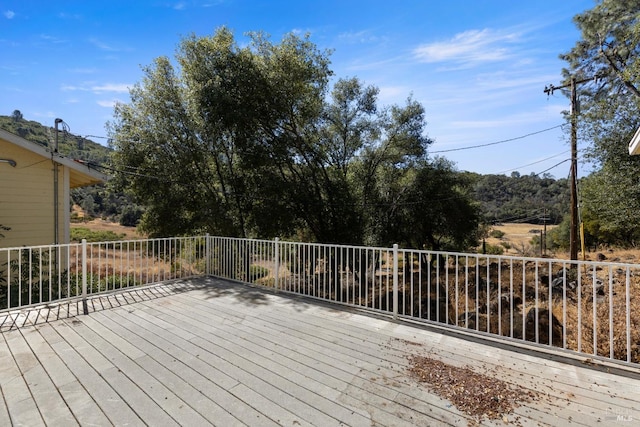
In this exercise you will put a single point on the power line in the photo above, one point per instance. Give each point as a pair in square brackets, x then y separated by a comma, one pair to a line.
[557, 164]
[534, 163]
[496, 142]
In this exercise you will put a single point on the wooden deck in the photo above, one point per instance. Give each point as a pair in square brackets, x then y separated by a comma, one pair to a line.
[210, 352]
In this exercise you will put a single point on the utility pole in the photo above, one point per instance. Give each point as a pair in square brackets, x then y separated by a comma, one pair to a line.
[545, 218]
[573, 228]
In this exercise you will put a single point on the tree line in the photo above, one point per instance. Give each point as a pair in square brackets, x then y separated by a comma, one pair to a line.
[499, 198]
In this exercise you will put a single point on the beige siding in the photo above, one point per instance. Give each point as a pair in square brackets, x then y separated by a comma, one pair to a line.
[26, 198]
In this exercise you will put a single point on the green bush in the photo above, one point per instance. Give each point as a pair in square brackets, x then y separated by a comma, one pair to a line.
[77, 234]
[492, 249]
[498, 234]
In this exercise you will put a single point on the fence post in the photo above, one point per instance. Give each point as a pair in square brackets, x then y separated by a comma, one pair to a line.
[277, 262]
[207, 254]
[85, 308]
[395, 281]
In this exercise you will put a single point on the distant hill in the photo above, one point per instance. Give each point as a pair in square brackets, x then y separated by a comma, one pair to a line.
[69, 145]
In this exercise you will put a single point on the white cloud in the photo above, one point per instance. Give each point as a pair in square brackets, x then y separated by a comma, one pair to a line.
[469, 47]
[98, 89]
[46, 114]
[51, 39]
[64, 15]
[364, 36]
[107, 47]
[71, 88]
[9, 14]
[112, 87]
[390, 94]
[109, 103]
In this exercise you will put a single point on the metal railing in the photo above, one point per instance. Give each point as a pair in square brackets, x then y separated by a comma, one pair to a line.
[592, 308]
[37, 275]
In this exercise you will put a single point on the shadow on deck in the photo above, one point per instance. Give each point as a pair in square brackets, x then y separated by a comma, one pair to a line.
[211, 352]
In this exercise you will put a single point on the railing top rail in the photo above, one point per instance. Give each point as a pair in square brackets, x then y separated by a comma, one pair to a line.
[523, 258]
[59, 245]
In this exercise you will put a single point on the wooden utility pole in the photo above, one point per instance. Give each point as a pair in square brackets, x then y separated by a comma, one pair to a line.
[573, 228]
[573, 232]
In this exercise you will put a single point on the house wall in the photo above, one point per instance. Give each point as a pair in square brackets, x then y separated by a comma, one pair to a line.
[26, 198]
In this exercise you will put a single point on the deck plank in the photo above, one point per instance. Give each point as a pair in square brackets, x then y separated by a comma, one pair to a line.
[83, 407]
[291, 365]
[323, 358]
[148, 392]
[251, 371]
[210, 352]
[373, 366]
[113, 405]
[188, 373]
[19, 401]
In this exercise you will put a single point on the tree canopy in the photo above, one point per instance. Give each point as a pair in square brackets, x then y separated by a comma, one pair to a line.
[609, 115]
[255, 141]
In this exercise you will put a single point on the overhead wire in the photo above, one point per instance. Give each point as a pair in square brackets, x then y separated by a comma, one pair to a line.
[497, 142]
[533, 163]
[131, 173]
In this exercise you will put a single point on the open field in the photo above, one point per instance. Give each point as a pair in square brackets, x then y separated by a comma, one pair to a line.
[518, 237]
[98, 224]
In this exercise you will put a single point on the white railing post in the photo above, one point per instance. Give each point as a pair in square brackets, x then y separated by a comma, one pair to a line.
[395, 281]
[276, 257]
[207, 254]
[84, 277]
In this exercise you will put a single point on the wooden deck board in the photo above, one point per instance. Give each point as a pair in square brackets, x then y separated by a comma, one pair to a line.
[16, 394]
[327, 355]
[209, 352]
[363, 349]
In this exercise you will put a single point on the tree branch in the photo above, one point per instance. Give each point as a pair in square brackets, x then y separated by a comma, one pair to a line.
[617, 71]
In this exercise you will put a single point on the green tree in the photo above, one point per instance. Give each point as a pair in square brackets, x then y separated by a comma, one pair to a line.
[250, 141]
[16, 116]
[432, 207]
[610, 114]
[609, 46]
[211, 141]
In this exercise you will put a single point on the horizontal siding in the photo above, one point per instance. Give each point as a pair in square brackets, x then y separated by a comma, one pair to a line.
[26, 198]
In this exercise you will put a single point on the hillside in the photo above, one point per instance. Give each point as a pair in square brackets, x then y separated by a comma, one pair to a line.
[69, 145]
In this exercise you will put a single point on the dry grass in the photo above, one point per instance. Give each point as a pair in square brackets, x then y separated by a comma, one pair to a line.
[518, 236]
[501, 308]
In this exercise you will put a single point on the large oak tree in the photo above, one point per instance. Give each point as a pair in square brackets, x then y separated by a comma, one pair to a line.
[253, 141]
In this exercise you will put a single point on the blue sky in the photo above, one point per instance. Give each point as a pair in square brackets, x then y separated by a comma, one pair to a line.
[479, 67]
